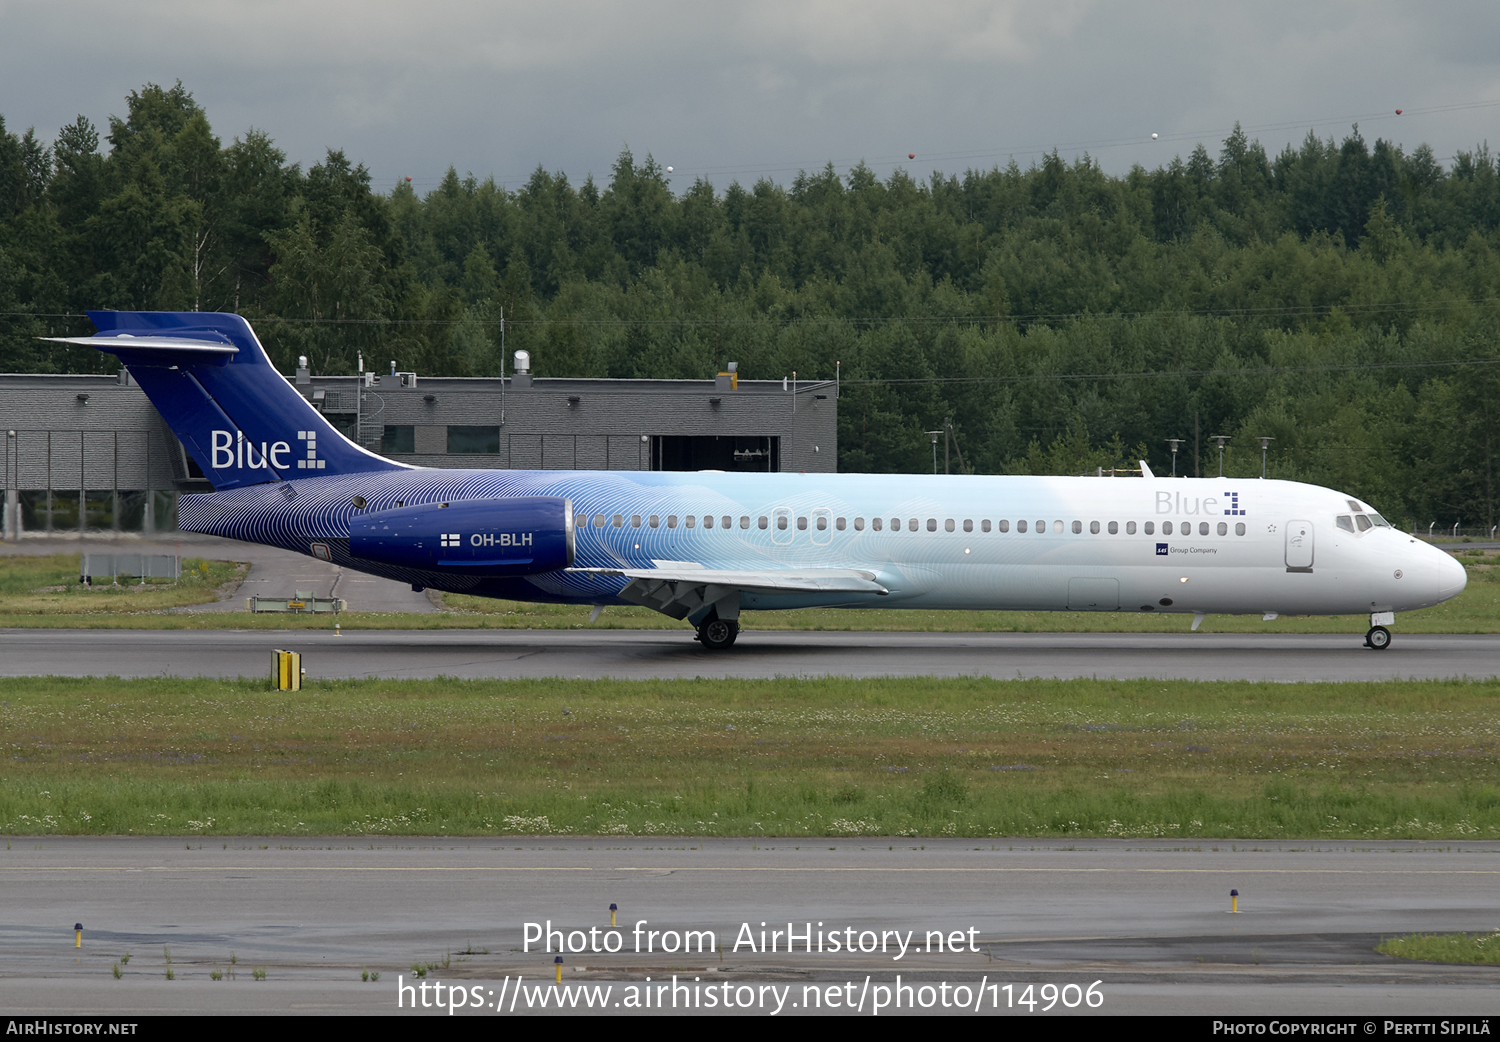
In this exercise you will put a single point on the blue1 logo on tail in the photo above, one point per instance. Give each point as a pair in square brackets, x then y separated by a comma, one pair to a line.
[233, 450]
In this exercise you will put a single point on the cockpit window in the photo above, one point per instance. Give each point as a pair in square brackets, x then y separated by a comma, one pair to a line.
[1345, 523]
[1380, 521]
[1363, 522]
[1354, 506]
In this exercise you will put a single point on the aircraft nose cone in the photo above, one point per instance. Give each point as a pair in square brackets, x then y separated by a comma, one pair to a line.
[1452, 578]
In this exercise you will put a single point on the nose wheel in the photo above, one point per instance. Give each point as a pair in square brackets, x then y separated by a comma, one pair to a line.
[1379, 638]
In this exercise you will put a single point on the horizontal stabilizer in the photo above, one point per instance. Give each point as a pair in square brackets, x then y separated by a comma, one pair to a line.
[156, 350]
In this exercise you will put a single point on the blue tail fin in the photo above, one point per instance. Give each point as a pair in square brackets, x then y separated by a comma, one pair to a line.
[210, 379]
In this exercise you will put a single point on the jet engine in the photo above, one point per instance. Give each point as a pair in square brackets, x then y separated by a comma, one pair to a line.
[522, 535]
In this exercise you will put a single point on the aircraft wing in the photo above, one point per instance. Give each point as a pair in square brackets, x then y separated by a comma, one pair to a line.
[680, 591]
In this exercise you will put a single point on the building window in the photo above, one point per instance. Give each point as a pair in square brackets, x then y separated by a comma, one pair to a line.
[474, 440]
[399, 438]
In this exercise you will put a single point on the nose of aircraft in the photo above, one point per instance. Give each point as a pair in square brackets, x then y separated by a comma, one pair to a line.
[1452, 578]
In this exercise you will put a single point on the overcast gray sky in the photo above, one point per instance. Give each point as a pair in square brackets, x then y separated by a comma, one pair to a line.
[761, 87]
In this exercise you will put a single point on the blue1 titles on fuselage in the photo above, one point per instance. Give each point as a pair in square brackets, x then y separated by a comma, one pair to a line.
[705, 546]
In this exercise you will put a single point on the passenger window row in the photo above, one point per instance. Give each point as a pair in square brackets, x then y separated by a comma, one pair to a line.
[821, 522]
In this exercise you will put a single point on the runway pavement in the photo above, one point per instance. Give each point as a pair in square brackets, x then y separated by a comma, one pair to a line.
[673, 653]
[1149, 921]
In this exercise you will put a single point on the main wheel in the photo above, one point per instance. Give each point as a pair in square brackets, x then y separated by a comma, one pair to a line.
[717, 633]
[1378, 638]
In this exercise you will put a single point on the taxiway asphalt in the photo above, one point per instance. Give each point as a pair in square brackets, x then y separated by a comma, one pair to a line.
[758, 654]
[1148, 919]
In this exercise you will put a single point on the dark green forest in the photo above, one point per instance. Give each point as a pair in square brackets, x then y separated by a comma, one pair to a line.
[1340, 297]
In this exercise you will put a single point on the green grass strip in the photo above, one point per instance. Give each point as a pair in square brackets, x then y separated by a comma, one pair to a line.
[1472, 948]
[818, 757]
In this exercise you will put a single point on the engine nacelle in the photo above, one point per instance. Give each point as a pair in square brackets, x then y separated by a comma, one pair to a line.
[519, 535]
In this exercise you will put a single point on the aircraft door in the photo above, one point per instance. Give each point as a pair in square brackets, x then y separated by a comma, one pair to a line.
[1299, 546]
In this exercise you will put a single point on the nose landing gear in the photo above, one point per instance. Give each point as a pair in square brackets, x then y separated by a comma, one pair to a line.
[1379, 638]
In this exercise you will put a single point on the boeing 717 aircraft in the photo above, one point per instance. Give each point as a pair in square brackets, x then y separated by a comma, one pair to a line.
[705, 547]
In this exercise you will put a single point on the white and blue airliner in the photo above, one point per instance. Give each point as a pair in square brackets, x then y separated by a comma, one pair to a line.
[705, 547]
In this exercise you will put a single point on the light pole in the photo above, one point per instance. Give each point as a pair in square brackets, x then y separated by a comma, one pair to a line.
[1265, 443]
[1174, 442]
[1221, 439]
[934, 436]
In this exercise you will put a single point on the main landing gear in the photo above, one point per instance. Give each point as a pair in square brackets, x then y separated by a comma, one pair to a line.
[1379, 638]
[716, 633]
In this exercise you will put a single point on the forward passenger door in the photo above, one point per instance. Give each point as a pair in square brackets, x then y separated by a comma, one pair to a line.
[1299, 546]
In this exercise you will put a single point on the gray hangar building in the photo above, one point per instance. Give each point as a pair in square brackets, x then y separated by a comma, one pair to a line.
[91, 453]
